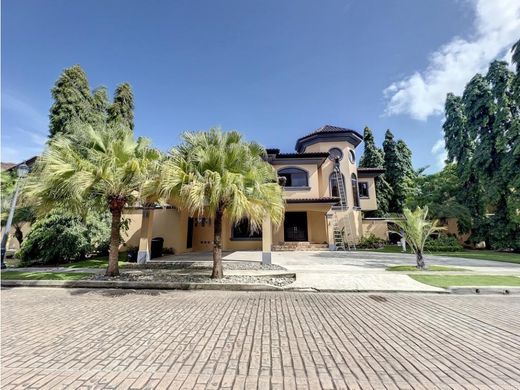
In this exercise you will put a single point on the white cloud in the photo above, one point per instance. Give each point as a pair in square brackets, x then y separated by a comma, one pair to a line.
[440, 153]
[36, 138]
[39, 122]
[26, 135]
[497, 26]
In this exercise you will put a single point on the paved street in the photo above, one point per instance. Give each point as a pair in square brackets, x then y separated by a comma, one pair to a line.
[61, 338]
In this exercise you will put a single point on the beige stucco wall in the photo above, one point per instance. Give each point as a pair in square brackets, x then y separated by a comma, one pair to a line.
[169, 224]
[369, 203]
[377, 227]
[317, 227]
[352, 222]
[453, 228]
[346, 167]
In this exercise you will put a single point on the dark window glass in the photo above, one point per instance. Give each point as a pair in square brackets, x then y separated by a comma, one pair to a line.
[363, 189]
[334, 188]
[352, 156]
[294, 177]
[355, 190]
[335, 154]
[242, 230]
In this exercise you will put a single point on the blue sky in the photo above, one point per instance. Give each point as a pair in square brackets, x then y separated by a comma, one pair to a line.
[275, 70]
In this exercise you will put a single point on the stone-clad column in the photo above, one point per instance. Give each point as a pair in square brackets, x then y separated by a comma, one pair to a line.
[145, 239]
[267, 240]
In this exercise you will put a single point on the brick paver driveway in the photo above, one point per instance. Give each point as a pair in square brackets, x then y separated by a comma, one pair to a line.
[59, 338]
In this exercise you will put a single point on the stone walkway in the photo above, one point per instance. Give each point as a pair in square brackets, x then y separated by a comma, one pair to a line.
[61, 338]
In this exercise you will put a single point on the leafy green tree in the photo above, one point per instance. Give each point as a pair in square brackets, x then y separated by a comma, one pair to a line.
[63, 237]
[72, 101]
[417, 228]
[399, 172]
[373, 157]
[440, 192]
[122, 110]
[459, 145]
[217, 173]
[482, 133]
[103, 166]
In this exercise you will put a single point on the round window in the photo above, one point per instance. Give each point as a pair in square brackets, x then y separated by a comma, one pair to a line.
[335, 154]
[351, 156]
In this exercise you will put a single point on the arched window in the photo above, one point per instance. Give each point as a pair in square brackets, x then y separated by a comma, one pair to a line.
[294, 177]
[333, 183]
[355, 190]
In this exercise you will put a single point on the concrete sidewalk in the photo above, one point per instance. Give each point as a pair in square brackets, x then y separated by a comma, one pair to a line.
[365, 271]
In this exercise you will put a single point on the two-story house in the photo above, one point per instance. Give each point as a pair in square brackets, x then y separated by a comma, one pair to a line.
[326, 194]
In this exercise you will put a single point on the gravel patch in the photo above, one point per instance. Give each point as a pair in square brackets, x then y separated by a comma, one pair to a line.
[204, 265]
[147, 275]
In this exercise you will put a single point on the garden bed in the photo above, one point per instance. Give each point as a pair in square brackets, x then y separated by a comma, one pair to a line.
[164, 275]
[207, 266]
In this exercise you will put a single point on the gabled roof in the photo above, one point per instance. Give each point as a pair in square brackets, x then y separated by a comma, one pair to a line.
[329, 133]
[7, 165]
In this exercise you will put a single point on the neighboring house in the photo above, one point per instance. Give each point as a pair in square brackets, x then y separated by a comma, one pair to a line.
[11, 167]
[325, 192]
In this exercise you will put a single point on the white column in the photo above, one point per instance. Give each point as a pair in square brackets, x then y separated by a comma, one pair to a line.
[329, 222]
[145, 239]
[267, 240]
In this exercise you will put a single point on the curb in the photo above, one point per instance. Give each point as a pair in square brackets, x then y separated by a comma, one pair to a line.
[312, 289]
[243, 287]
[139, 285]
[485, 290]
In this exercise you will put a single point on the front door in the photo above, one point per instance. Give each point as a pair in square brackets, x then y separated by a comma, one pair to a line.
[295, 226]
[189, 238]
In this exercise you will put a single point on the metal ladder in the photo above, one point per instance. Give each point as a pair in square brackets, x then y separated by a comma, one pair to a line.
[339, 233]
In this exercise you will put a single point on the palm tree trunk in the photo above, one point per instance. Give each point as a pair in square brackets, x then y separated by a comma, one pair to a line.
[420, 260]
[113, 255]
[217, 273]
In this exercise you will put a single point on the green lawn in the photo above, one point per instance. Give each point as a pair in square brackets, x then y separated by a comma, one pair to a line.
[18, 275]
[465, 253]
[413, 268]
[467, 280]
[101, 262]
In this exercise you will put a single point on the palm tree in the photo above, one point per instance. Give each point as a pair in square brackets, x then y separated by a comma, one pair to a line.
[417, 228]
[103, 167]
[218, 173]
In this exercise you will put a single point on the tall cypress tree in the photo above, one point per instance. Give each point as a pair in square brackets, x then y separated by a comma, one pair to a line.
[122, 109]
[100, 105]
[399, 171]
[373, 158]
[372, 155]
[72, 101]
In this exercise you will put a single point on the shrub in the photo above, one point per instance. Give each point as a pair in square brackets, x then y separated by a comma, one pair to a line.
[62, 237]
[443, 243]
[371, 242]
